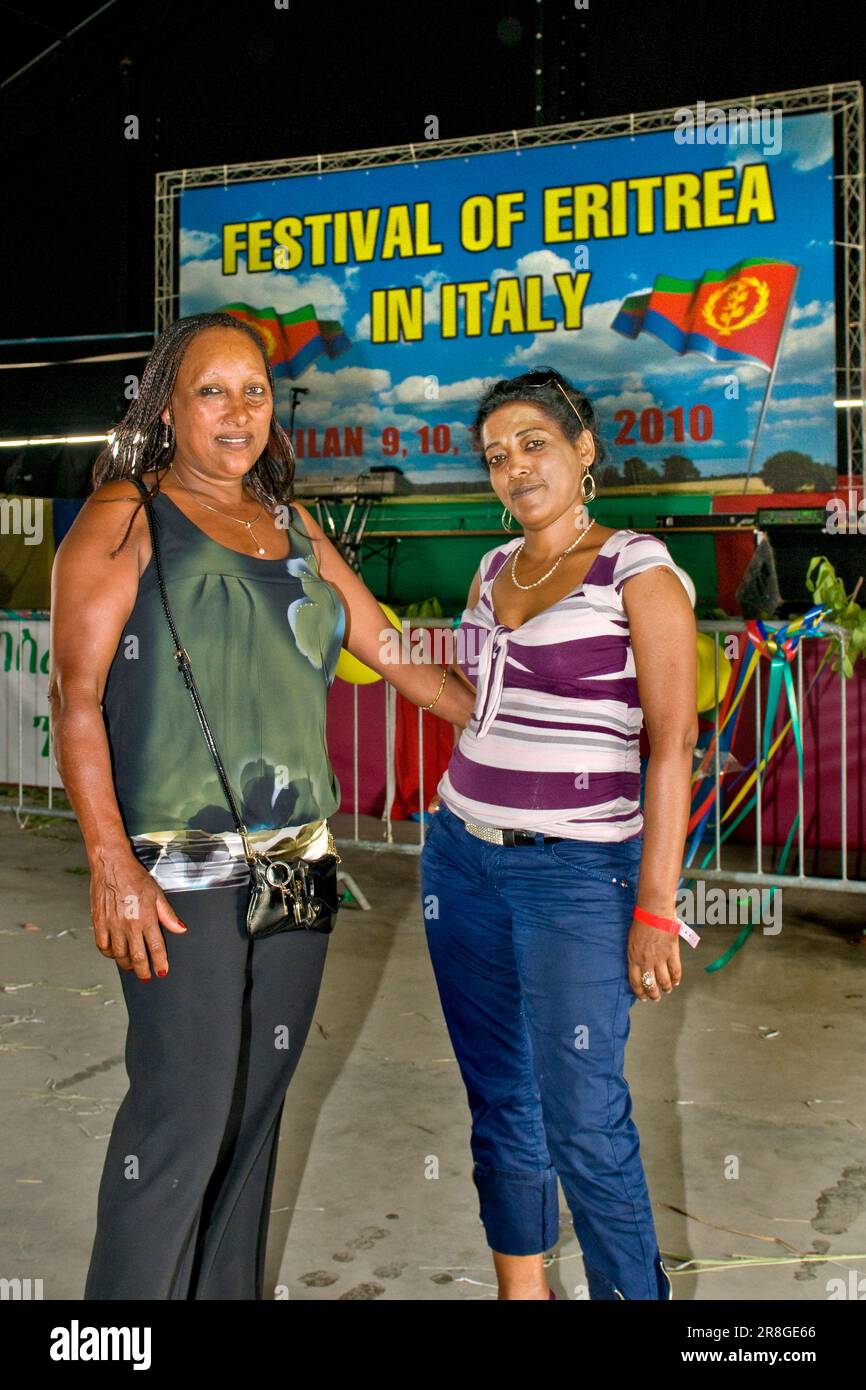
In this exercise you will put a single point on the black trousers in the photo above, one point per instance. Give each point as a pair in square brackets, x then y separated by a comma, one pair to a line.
[185, 1195]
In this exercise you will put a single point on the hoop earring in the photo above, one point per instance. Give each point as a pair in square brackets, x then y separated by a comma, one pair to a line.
[509, 527]
[587, 496]
[167, 436]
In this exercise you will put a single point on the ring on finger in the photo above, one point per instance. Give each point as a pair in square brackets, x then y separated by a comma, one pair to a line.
[648, 979]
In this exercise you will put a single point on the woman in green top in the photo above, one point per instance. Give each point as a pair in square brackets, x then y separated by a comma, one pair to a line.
[262, 602]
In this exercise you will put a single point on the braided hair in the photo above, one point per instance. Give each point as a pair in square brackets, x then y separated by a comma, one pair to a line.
[137, 444]
[549, 399]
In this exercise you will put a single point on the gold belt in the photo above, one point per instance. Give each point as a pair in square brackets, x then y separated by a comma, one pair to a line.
[292, 846]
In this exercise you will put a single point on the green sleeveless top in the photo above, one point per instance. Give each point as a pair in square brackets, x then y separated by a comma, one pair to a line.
[263, 638]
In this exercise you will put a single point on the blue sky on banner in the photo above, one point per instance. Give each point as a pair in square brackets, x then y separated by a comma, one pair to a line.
[377, 386]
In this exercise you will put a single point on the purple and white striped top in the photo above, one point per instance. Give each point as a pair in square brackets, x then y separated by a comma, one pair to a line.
[553, 742]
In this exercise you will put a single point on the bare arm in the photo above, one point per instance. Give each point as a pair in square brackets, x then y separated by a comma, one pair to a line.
[663, 638]
[366, 637]
[92, 596]
[472, 599]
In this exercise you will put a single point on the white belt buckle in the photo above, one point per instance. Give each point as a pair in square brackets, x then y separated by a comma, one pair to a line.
[490, 833]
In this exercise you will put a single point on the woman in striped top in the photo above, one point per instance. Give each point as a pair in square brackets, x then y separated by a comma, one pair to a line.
[540, 873]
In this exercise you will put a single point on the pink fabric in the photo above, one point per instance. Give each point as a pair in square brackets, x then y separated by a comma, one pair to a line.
[824, 756]
[438, 747]
[371, 745]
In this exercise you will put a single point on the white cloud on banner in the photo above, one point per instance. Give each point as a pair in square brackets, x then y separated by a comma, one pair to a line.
[816, 308]
[430, 281]
[543, 263]
[193, 245]
[571, 350]
[795, 405]
[809, 422]
[748, 154]
[808, 142]
[807, 351]
[347, 397]
[432, 298]
[595, 354]
[411, 390]
[625, 400]
[744, 372]
[204, 287]
[344, 384]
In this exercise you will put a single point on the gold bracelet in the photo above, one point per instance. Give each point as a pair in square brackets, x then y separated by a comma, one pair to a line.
[439, 691]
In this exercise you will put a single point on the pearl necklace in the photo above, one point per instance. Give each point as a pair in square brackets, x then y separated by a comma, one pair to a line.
[536, 582]
[238, 519]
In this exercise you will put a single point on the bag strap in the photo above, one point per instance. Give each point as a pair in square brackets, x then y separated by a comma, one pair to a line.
[181, 656]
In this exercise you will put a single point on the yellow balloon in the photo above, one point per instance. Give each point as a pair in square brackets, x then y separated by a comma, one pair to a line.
[353, 671]
[707, 673]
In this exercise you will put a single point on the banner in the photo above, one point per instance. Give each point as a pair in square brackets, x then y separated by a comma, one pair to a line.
[684, 279]
[24, 661]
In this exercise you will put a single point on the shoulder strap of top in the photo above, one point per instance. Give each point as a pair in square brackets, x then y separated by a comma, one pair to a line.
[168, 514]
[301, 540]
[492, 562]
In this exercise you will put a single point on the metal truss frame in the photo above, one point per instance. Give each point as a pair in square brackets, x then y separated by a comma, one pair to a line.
[843, 100]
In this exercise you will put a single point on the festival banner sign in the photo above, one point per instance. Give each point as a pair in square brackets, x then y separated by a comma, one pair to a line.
[684, 279]
[26, 754]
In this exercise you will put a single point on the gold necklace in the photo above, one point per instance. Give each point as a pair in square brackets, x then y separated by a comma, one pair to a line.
[238, 519]
[536, 582]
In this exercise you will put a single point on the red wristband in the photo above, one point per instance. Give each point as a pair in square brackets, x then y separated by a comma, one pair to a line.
[674, 925]
[669, 924]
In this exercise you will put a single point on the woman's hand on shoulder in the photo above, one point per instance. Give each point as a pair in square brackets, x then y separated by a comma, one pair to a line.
[366, 624]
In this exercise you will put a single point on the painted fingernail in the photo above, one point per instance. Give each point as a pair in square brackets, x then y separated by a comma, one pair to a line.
[160, 973]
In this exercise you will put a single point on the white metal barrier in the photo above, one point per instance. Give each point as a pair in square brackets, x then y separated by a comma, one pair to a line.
[27, 758]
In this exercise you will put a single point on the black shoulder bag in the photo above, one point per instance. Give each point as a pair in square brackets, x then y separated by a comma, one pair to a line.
[285, 894]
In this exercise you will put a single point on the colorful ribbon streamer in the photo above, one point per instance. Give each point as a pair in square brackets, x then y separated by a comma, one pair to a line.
[779, 647]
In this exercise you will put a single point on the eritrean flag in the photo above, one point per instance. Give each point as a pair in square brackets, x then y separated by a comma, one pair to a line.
[304, 342]
[294, 340]
[267, 321]
[334, 338]
[733, 315]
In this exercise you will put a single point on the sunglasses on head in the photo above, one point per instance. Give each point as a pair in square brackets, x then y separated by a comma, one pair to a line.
[544, 377]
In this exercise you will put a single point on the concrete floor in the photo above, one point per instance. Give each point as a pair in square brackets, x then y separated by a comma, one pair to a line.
[377, 1093]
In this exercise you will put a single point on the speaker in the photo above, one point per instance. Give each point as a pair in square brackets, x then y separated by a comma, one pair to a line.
[794, 546]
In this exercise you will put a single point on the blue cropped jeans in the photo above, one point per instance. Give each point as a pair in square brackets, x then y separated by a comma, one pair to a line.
[529, 949]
